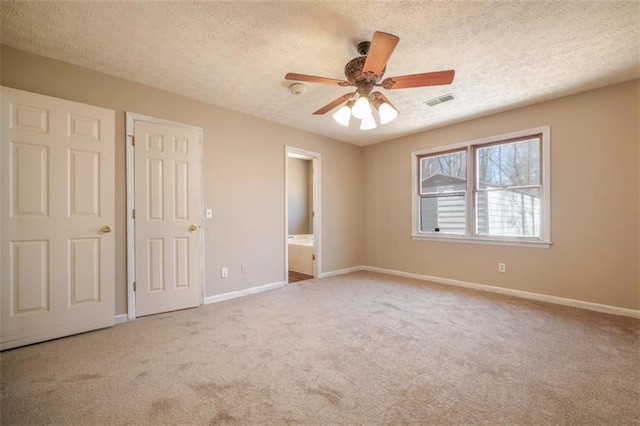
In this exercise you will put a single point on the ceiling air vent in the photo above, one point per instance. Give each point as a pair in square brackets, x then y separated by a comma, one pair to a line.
[440, 100]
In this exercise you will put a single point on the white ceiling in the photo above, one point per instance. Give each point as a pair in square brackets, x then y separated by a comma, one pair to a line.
[235, 54]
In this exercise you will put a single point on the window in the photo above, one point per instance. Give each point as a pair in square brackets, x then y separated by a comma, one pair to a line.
[490, 190]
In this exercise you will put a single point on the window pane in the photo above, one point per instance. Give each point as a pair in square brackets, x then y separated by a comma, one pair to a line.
[508, 213]
[509, 164]
[443, 173]
[445, 214]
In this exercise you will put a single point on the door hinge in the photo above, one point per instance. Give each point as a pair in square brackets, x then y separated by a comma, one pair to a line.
[134, 213]
[313, 257]
[134, 286]
[133, 140]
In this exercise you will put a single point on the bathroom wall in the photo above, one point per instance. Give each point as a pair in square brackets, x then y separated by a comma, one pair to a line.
[299, 196]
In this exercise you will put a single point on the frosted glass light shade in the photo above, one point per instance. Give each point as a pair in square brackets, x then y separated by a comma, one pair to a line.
[343, 116]
[368, 123]
[361, 108]
[387, 113]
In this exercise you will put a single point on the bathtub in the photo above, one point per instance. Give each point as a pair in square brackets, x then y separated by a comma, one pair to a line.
[301, 253]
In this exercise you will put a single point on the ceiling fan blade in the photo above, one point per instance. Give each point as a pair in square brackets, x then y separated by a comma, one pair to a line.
[331, 105]
[419, 80]
[380, 50]
[314, 79]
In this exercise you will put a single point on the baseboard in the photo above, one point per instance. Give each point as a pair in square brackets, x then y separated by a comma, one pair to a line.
[245, 292]
[511, 292]
[341, 271]
[121, 318]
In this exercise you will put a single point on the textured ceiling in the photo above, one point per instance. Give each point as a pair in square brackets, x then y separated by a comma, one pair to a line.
[235, 54]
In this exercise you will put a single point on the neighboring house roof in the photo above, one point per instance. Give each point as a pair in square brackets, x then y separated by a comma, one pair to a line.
[441, 179]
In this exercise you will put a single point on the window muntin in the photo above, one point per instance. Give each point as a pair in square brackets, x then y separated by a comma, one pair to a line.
[506, 201]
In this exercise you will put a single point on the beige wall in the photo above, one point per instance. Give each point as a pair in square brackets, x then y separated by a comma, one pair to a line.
[595, 203]
[298, 196]
[595, 189]
[243, 173]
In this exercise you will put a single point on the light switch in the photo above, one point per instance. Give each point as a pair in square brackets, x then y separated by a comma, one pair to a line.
[208, 213]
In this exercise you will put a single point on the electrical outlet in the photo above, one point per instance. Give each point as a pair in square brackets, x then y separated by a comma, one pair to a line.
[224, 272]
[243, 269]
[502, 267]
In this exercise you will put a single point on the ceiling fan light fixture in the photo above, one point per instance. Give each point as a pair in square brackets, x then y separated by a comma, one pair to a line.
[343, 115]
[387, 113]
[368, 122]
[361, 108]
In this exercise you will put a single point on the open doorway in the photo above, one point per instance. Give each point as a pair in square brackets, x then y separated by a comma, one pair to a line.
[302, 215]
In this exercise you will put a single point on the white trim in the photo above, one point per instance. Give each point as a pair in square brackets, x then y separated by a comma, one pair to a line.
[341, 271]
[546, 183]
[121, 318]
[545, 130]
[131, 118]
[240, 293]
[544, 241]
[633, 313]
[131, 241]
[315, 157]
[488, 241]
[415, 218]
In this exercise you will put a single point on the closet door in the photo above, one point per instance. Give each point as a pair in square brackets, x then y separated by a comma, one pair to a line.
[57, 245]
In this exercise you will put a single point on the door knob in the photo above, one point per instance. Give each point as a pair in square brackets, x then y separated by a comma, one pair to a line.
[106, 229]
[193, 227]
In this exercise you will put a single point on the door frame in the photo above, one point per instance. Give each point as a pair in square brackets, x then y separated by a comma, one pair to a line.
[131, 118]
[315, 159]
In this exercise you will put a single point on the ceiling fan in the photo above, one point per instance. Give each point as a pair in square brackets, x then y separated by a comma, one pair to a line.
[365, 73]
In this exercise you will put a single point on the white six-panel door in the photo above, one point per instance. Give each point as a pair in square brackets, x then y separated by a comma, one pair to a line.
[57, 247]
[167, 217]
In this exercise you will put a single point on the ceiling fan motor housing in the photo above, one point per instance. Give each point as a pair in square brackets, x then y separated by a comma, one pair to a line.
[353, 71]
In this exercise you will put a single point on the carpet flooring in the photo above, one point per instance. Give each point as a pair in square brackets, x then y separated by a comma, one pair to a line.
[361, 348]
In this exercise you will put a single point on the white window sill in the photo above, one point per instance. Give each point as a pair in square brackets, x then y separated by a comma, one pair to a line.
[480, 240]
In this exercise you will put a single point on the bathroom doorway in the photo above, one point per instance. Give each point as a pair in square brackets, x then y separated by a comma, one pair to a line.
[302, 215]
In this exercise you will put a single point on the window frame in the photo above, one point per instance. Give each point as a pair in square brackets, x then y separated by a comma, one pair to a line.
[471, 147]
